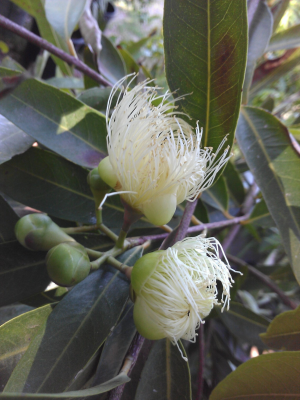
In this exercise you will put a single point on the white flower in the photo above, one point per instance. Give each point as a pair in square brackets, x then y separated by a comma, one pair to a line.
[153, 154]
[175, 289]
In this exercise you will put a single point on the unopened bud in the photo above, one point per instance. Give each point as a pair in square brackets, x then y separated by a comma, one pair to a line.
[39, 233]
[98, 187]
[68, 264]
[107, 173]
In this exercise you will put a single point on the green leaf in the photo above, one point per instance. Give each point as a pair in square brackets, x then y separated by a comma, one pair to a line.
[74, 331]
[130, 64]
[12, 311]
[64, 15]
[8, 220]
[15, 337]
[260, 215]
[205, 54]
[201, 212]
[265, 142]
[217, 195]
[166, 374]
[133, 48]
[278, 11]
[260, 31]
[287, 39]
[67, 82]
[121, 379]
[58, 121]
[270, 376]
[243, 323]
[116, 347]
[36, 9]
[234, 183]
[47, 297]
[23, 273]
[283, 332]
[96, 97]
[269, 76]
[111, 64]
[12, 140]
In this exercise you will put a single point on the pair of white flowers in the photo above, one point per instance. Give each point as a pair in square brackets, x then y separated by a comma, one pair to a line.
[156, 162]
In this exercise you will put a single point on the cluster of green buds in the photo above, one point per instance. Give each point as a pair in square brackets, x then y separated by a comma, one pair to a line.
[67, 261]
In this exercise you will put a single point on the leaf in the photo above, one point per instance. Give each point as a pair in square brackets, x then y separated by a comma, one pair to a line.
[243, 323]
[15, 338]
[36, 9]
[96, 97]
[278, 11]
[201, 212]
[217, 195]
[8, 220]
[58, 121]
[270, 376]
[166, 374]
[111, 64]
[131, 65]
[116, 347]
[260, 31]
[260, 216]
[12, 311]
[90, 31]
[120, 379]
[23, 273]
[47, 297]
[287, 39]
[234, 183]
[12, 140]
[67, 82]
[64, 15]
[205, 55]
[74, 331]
[283, 332]
[266, 145]
[269, 75]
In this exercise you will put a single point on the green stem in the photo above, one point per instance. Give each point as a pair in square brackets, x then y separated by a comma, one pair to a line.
[87, 228]
[103, 258]
[94, 253]
[98, 213]
[121, 239]
[125, 269]
[103, 228]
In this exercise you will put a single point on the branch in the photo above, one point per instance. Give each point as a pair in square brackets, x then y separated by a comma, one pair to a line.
[265, 279]
[44, 44]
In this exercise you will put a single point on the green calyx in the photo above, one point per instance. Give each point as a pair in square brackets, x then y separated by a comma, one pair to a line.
[68, 264]
[143, 269]
[145, 325]
[39, 233]
[107, 173]
[160, 210]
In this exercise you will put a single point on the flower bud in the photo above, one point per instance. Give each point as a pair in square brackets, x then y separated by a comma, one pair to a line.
[39, 233]
[68, 264]
[98, 187]
[175, 289]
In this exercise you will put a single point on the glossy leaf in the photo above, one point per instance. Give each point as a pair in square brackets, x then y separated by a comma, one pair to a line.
[75, 330]
[275, 165]
[121, 379]
[283, 332]
[12, 140]
[37, 10]
[63, 16]
[47, 297]
[234, 183]
[201, 212]
[205, 54]
[58, 121]
[268, 76]
[260, 31]
[287, 39]
[166, 374]
[243, 323]
[90, 30]
[217, 196]
[8, 220]
[131, 65]
[260, 215]
[111, 64]
[270, 376]
[67, 82]
[96, 97]
[15, 338]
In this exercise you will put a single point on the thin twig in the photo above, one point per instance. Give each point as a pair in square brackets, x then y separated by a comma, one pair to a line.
[44, 44]
[265, 279]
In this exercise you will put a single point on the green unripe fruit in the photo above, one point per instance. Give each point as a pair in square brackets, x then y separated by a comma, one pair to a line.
[39, 233]
[107, 173]
[68, 264]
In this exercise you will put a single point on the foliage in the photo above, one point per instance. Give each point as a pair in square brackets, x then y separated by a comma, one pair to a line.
[81, 341]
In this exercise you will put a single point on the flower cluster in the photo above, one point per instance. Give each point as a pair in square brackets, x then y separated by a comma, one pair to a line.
[153, 155]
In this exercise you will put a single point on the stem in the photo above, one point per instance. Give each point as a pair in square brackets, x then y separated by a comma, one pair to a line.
[125, 269]
[103, 258]
[98, 212]
[121, 239]
[94, 253]
[101, 227]
[201, 362]
[44, 44]
[265, 279]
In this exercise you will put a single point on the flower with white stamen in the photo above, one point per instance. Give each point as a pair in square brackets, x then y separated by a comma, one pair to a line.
[175, 289]
[154, 156]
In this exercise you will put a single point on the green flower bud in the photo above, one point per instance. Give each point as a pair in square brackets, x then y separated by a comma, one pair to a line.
[98, 187]
[39, 233]
[107, 173]
[68, 264]
[174, 289]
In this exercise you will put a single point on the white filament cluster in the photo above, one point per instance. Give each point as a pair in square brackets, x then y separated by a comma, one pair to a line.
[153, 152]
[183, 288]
